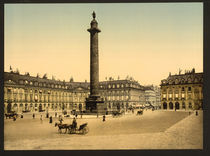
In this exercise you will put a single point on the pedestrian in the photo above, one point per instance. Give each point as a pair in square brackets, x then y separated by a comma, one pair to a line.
[60, 119]
[104, 118]
[196, 113]
[74, 124]
[189, 112]
[21, 115]
[14, 118]
[33, 115]
[50, 119]
[41, 118]
[47, 115]
[76, 115]
[56, 114]
[81, 115]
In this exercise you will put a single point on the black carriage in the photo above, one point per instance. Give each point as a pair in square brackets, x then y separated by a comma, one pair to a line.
[140, 112]
[83, 129]
[116, 113]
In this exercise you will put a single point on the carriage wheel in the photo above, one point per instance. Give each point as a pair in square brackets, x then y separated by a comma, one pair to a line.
[85, 130]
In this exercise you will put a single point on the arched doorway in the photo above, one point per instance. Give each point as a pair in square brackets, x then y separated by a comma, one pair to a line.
[164, 105]
[31, 107]
[26, 107]
[177, 105]
[183, 105]
[126, 107]
[123, 105]
[21, 107]
[118, 107]
[80, 107]
[171, 105]
[40, 107]
[190, 105]
[9, 107]
[15, 108]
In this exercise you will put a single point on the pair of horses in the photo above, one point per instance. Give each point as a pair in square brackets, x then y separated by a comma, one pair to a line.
[83, 129]
[61, 126]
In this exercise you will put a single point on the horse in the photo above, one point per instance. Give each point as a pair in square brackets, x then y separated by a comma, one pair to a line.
[62, 126]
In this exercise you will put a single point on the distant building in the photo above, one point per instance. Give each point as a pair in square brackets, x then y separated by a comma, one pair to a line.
[158, 99]
[183, 91]
[152, 96]
[122, 94]
[28, 93]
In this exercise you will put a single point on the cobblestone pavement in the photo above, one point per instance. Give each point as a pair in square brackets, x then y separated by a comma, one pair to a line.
[152, 130]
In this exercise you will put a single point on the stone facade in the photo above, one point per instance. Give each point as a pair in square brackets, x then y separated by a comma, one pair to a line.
[122, 94]
[28, 93]
[152, 96]
[183, 91]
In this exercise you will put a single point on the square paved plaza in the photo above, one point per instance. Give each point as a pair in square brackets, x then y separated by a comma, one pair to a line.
[152, 130]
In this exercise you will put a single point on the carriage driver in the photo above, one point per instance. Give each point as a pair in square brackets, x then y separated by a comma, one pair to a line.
[60, 119]
[74, 124]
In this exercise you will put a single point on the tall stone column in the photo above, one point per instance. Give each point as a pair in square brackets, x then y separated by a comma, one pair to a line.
[94, 103]
[94, 63]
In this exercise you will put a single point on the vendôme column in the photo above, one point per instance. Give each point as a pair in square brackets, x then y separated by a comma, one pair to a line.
[94, 103]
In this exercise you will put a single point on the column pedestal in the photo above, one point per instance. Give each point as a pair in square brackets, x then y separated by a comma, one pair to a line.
[95, 105]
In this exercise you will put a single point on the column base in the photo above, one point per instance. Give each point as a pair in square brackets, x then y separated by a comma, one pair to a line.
[95, 105]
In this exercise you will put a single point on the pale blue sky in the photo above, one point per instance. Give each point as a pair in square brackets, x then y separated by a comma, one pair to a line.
[143, 40]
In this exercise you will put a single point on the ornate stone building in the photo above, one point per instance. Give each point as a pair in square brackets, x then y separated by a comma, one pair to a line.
[150, 96]
[183, 91]
[122, 94]
[28, 93]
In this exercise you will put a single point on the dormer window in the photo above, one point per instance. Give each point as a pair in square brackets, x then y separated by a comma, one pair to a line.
[176, 81]
[189, 80]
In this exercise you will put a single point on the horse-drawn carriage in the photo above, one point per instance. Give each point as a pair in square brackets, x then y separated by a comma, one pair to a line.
[83, 129]
[117, 113]
[11, 115]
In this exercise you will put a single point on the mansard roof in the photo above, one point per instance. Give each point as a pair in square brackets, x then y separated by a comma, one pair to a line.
[18, 78]
[15, 79]
[187, 78]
